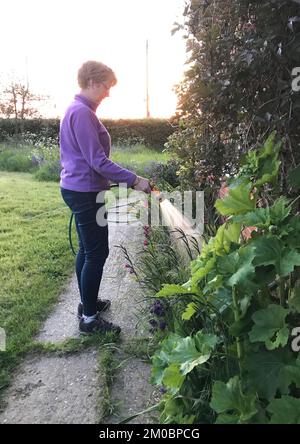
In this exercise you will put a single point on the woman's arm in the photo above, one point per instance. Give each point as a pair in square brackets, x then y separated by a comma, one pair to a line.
[86, 132]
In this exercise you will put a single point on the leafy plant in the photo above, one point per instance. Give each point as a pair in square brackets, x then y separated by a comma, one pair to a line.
[230, 359]
[237, 88]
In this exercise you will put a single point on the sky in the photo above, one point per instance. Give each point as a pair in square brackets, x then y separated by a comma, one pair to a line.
[48, 40]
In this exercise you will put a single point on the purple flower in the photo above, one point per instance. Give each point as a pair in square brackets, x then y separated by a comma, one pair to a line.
[157, 309]
[162, 325]
[147, 230]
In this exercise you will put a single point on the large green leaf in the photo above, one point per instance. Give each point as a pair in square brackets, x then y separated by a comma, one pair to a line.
[259, 218]
[173, 378]
[227, 234]
[264, 217]
[243, 277]
[267, 250]
[269, 371]
[157, 370]
[228, 264]
[238, 201]
[267, 171]
[231, 404]
[285, 410]
[189, 311]
[270, 327]
[175, 411]
[202, 272]
[280, 210]
[193, 351]
[269, 149]
[262, 164]
[162, 359]
[271, 251]
[268, 163]
[238, 269]
[291, 233]
[289, 260]
[173, 290]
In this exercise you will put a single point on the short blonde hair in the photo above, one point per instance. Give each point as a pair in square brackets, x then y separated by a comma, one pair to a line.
[96, 71]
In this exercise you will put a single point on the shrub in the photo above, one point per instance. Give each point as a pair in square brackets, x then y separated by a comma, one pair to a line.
[151, 132]
[49, 171]
[230, 357]
[164, 172]
[11, 160]
[238, 85]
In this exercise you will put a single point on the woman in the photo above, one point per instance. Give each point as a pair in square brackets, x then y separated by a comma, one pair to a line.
[86, 170]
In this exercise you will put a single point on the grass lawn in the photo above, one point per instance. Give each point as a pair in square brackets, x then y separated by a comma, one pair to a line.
[35, 259]
[138, 157]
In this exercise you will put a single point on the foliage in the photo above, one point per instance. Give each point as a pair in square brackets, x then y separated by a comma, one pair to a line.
[158, 262]
[19, 102]
[230, 359]
[151, 132]
[164, 174]
[49, 171]
[42, 159]
[15, 160]
[139, 158]
[34, 258]
[238, 87]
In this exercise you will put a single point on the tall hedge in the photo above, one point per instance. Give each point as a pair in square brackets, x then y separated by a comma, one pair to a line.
[238, 87]
[152, 132]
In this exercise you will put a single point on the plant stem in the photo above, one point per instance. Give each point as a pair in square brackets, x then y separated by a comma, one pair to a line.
[236, 318]
[294, 201]
[282, 292]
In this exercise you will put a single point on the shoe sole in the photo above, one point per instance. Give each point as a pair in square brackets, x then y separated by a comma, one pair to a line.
[87, 333]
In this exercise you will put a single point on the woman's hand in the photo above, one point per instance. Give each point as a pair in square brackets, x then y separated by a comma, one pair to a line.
[142, 184]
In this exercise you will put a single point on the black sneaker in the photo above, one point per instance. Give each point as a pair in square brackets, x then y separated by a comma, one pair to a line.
[98, 325]
[102, 305]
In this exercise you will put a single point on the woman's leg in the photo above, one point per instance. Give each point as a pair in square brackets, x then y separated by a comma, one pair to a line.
[80, 259]
[94, 239]
[93, 246]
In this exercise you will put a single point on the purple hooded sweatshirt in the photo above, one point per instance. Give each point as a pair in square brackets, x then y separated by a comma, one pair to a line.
[84, 151]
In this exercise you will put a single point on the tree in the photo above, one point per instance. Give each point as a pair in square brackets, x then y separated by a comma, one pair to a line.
[18, 102]
[238, 86]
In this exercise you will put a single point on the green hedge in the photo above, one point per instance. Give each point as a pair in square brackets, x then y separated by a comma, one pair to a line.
[151, 132]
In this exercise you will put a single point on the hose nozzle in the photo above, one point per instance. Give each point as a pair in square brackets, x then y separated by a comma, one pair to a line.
[155, 190]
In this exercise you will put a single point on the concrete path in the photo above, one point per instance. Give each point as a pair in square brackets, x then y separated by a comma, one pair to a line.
[67, 389]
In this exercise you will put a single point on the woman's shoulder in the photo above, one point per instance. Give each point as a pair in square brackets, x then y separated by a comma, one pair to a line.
[79, 110]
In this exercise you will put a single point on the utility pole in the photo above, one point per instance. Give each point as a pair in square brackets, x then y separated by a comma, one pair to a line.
[147, 82]
[26, 68]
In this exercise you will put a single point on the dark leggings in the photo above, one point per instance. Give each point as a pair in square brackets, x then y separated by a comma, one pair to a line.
[93, 245]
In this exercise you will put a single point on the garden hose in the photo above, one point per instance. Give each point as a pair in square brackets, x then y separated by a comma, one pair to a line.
[70, 227]
[154, 189]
